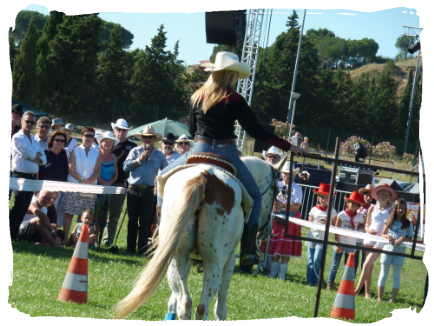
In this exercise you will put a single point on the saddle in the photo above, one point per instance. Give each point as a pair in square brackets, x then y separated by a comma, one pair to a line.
[214, 159]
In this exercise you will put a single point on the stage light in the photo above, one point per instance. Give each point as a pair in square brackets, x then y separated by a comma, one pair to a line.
[415, 47]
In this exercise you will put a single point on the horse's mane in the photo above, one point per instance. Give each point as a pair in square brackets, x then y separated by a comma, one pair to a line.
[257, 167]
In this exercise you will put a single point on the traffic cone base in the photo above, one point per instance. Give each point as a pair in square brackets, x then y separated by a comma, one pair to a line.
[345, 303]
[74, 287]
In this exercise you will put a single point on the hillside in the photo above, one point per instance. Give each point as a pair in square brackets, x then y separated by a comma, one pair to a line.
[401, 73]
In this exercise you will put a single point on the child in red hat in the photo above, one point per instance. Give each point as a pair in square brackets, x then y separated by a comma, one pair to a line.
[318, 214]
[348, 219]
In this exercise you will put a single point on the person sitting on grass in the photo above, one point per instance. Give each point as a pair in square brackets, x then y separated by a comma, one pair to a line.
[36, 226]
[318, 214]
[348, 219]
[86, 219]
[396, 229]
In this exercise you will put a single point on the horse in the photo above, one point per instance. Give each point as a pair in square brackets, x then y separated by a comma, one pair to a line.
[202, 210]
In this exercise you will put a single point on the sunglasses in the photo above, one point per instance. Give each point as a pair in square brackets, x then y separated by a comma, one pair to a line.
[44, 127]
[59, 140]
[89, 136]
[273, 156]
[186, 143]
[30, 122]
[167, 143]
[121, 130]
[147, 137]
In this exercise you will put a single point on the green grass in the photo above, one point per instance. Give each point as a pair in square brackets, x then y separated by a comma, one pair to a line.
[38, 274]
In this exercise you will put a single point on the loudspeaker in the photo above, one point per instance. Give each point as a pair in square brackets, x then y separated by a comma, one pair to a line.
[225, 27]
[260, 145]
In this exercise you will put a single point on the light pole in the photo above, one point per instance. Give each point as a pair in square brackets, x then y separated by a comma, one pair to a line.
[294, 96]
[294, 79]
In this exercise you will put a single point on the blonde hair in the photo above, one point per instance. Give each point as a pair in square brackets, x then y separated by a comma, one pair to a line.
[215, 89]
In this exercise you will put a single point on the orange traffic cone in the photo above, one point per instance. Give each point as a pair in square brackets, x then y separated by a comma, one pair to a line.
[74, 287]
[345, 303]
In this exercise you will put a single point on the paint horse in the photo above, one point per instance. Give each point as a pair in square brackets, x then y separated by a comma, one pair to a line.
[202, 210]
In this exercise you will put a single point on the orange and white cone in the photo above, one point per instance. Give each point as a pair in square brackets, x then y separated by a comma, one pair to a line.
[345, 302]
[74, 287]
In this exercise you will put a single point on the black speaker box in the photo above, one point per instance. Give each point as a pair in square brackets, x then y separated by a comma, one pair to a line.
[260, 145]
[221, 27]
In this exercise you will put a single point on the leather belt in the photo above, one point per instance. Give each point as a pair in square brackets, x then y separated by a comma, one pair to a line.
[141, 187]
[218, 142]
[25, 175]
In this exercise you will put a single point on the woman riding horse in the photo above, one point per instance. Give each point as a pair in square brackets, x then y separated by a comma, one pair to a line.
[214, 108]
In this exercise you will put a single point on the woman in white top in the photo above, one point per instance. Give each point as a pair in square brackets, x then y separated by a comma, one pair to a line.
[377, 216]
[5, 164]
[84, 167]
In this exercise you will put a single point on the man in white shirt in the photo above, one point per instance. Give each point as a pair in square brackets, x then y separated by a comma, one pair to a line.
[27, 155]
[43, 128]
[294, 139]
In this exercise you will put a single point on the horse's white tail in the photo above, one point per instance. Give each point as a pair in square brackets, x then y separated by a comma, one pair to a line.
[151, 277]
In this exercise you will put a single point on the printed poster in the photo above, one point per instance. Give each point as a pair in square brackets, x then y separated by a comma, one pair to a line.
[425, 226]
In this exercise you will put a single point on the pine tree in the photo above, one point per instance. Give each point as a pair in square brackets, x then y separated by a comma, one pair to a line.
[9, 56]
[24, 72]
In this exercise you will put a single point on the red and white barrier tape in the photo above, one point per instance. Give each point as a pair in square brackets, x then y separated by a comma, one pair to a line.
[35, 185]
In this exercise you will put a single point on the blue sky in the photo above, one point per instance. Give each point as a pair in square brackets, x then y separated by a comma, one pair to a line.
[383, 26]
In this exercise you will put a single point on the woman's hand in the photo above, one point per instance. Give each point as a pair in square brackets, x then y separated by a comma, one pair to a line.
[310, 218]
[298, 151]
[391, 241]
[399, 241]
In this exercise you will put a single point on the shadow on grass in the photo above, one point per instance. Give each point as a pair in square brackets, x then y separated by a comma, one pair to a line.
[21, 247]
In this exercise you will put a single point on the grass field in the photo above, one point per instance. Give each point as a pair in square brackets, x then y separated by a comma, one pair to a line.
[38, 274]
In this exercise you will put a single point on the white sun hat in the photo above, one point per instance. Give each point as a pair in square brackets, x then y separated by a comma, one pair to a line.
[272, 150]
[228, 61]
[286, 167]
[184, 138]
[107, 135]
[121, 123]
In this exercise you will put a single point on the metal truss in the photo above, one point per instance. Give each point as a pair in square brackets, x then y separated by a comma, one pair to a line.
[426, 33]
[255, 20]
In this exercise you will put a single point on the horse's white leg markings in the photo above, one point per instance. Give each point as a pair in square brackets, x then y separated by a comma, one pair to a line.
[221, 307]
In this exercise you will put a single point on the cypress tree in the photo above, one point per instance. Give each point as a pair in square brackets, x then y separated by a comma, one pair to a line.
[24, 72]
[13, 51]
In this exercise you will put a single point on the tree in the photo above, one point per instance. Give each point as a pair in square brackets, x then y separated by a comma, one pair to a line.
[13, 51]
[24, 72]
[238, 50]
[403, 43]
[125, 35]
[22, 22]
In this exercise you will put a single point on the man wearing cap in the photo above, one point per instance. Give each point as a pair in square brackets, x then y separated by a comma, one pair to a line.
[27, 155]
[167, 144]
[43, 128]
[17, 113]
[183, 144]
[57, 124]
[143, 164]
[121, 151]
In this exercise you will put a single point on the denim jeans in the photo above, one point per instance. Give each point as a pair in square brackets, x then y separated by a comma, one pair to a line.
[4, 208]
[243, 174]
[336, 261]
[314, 256]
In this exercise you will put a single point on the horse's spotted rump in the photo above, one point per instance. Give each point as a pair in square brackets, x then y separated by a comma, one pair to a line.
[218, 192]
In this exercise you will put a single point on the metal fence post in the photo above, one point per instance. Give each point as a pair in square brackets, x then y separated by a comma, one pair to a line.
[370, 152]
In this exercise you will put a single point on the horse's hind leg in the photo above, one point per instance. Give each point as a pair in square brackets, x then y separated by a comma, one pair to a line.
[221, 307]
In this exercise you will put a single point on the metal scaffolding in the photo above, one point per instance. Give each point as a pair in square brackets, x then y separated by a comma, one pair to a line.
[255, 20]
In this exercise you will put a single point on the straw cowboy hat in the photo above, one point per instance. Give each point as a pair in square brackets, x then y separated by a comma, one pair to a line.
[122, 124]
[384, 186]
[272, 150]
[368, 188]
[324, 189]
[286, 167]
[57, 121]
[184, 138]
[355, 197]
[107, 135]
[149, 131]
[228, 61]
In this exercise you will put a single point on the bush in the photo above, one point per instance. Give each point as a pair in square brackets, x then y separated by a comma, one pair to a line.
[384, 151]
[347, 147]
[282, 130]
[183, 119]
[409, 158]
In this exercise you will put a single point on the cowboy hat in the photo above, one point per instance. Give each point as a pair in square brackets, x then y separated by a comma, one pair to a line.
[69, 126]
[355, 197]
[122, 124]
[18, 109]
[324, 189]
[148, 131]
[286, 167]
[272, 150]
[107, 135]
[368, 188]
[57, 121]
[228, 61]
[183, 138]
[169, 137]
[384, 186]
